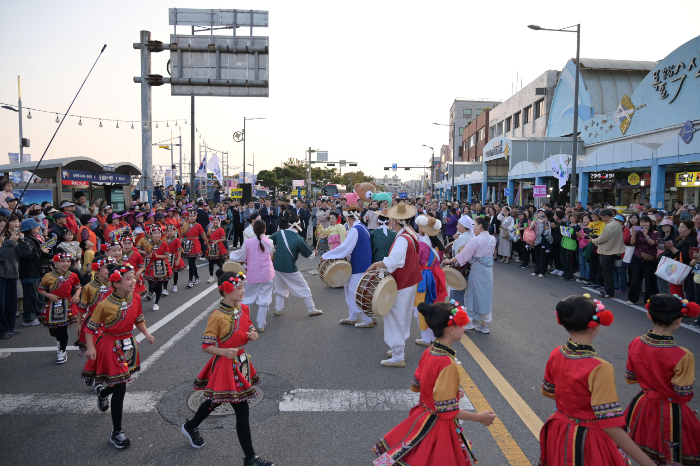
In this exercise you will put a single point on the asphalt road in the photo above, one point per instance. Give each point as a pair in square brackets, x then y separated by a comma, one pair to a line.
[47, 414]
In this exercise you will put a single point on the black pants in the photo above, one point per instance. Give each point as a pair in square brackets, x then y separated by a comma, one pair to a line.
[567, 262]
[242, 423]
[33, 301]
[596, 273]
[61, 336]
[192, 266]
[523, 252]
[212, 263]
[642, 270]
[116, 405]
[607, 262]
[237, 236]
[556, 254]
[175, 277]
[157, 288]
[540, 260]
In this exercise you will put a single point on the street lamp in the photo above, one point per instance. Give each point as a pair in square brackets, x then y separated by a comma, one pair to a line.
[574, 136]
[454, 129]
[432, 168]
[244, 138]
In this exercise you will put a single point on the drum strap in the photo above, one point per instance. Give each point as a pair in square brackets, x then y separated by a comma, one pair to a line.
[286, 243]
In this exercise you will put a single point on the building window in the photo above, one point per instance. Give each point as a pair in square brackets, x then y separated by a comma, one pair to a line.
[509, 122]
[499, 129]
[492, 132]
[479, 112]
[461, 131]
[467, 113]
[527, 115]
[482, 134]
[516, 120]
[539, 109]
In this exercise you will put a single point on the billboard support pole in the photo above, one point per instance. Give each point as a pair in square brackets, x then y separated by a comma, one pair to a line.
[146, 181]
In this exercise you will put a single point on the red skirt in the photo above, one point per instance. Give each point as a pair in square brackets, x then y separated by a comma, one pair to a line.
[424, 439]
[564, 442]
[140, 288]
[117, 359]
[159, 270]
[191, 247]
[216, 251]
[227, 381]
[58, 314]
[667, 432]
[178, 267]
[80, 342]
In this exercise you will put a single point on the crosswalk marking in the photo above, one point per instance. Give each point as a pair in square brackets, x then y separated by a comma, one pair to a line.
[73, 403]
[316, 400]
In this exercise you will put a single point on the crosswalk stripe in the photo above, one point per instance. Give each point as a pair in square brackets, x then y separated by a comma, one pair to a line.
[73, 403]
[317, 400]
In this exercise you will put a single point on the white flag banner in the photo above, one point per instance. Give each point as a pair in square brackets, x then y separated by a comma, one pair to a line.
[215, 167]
[202, 171]
[560, 171]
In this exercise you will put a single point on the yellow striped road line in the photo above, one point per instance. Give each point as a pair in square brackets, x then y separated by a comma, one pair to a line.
[528, 416]
[505, 441]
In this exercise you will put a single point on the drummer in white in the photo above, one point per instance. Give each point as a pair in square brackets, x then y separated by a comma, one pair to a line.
[403, 265]
[357, 246]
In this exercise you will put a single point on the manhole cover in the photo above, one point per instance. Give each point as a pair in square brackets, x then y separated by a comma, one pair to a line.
[225, 409]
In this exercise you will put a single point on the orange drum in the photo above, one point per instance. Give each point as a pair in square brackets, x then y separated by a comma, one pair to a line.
[376, 292]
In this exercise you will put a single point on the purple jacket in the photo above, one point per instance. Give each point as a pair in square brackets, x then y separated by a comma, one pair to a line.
[451, 225]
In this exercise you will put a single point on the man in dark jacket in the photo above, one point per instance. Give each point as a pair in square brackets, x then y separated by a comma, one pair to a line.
[268, 214]
[238, 224]
[31, 269]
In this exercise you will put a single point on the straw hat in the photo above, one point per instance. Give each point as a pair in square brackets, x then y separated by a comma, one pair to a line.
[402, 211]
[428, 225]
[384, 213]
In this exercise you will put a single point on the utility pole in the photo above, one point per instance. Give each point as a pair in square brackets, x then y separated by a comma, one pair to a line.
[308, 182]
[146, 182]
[244, 138]
[192, 129]
[180, 155]
[19, 108]
[172, 174]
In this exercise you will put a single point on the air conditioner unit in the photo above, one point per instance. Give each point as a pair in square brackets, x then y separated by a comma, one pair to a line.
[540, 91]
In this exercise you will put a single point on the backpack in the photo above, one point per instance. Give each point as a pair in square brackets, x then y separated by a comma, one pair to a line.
[529, 236]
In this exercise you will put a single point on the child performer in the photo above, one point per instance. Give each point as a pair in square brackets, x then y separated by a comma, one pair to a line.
[191, 232]
[60, 287]
[132, 257]
[432, 288]
[257, 253]
[336, 232]
[113, 354]
[94, 292]
[658, 418]
[176, 261]
[432, 434]
[158, 270]
[588, 421]
[216, 252]
[229, 376]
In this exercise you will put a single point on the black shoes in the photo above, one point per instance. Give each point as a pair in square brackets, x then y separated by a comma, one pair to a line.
[102, 403]
[195, 439]
[119, 440]
[257, 461]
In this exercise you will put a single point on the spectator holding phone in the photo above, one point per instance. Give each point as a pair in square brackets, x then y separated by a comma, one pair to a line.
[643, 264]
[680, 250]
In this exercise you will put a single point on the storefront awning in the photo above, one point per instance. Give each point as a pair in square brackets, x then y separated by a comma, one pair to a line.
[49, 166]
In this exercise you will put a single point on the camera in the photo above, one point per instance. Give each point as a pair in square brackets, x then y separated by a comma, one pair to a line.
[587, 230]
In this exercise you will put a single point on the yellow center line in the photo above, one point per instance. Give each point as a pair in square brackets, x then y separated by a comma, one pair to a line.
[528, 416]
[500, 434]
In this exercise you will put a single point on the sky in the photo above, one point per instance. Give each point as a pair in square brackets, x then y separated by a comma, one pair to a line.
[364, 81]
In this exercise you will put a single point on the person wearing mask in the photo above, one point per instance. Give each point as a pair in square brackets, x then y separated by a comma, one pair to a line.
[610, 243]
[679, 250]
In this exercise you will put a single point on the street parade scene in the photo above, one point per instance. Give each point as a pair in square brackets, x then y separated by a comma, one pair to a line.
[529, 296]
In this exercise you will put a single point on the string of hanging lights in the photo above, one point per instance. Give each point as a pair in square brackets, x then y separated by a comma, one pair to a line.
[80, 118]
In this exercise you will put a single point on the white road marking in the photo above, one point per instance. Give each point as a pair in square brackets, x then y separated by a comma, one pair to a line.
[177, 337]
[640, 308]
[300, 400]
[313, 400]
[139, 337]
[73, 403]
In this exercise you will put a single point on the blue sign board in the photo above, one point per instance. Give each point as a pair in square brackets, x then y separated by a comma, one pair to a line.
[75, 175]
[336, 195]
[394, 166]
[403, 195]
[506, 191]
[34, 196]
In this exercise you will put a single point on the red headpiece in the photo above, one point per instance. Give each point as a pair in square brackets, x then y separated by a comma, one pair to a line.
[689, 309]
[120, 272]
[459, 315]
[235, 281]
[96, 266]
[62, 256]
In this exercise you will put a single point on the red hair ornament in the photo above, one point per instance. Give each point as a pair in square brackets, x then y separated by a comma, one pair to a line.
[459, 316]
[601, 317]
[689, 309]
[235, 281]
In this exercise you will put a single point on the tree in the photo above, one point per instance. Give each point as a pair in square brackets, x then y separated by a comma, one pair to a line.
[268, 179]
[350, 178]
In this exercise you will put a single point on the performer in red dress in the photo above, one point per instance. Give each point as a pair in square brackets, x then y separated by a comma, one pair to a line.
[432, 434]
[229, 376]
[216, 252]
[132, 257]
[176, 262]
[659, 419]
[113, 354]
[191, 231]
[61, 288]
[589, 420]
[158, 270]
[94, 292]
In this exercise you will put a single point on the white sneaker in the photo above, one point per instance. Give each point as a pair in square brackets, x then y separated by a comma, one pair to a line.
[211, 280]
[61, 357]
[174, 288]
[540, 276]
[482, 328]
[533, 273]
[32, 323]
[561, 273]
[470, 326]
[554, 272]
[165, 293]
[155, 307]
